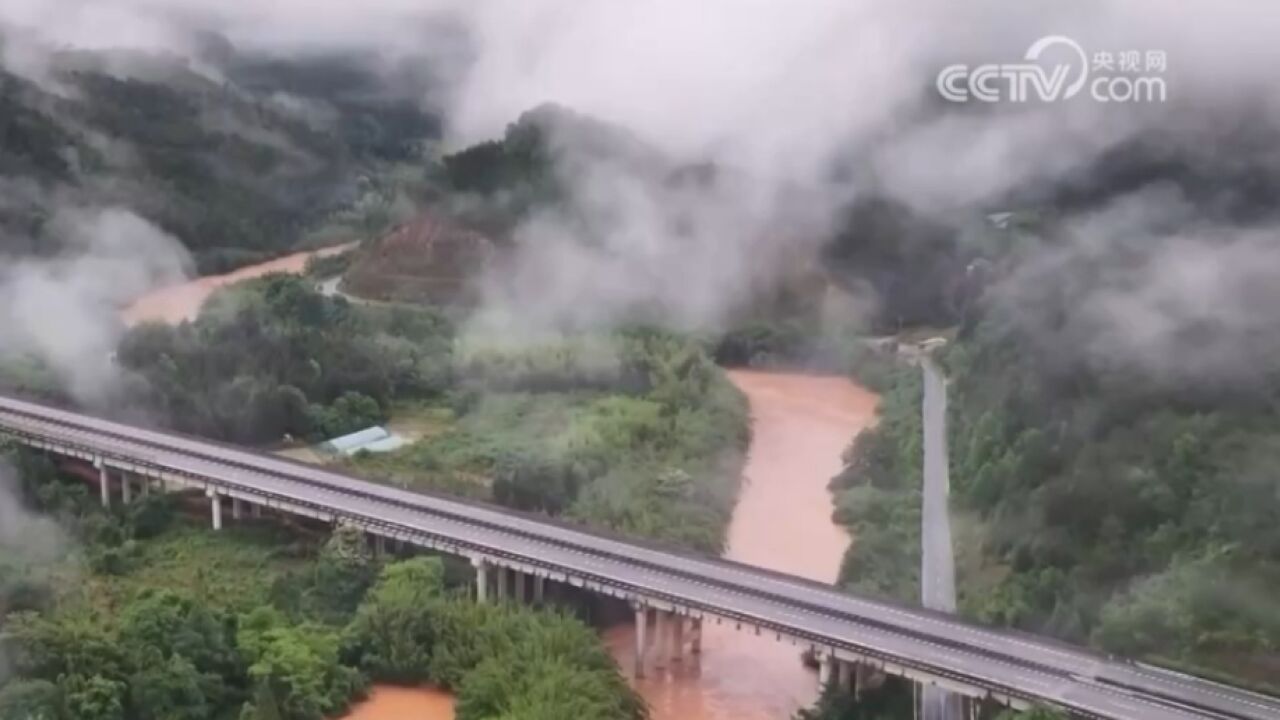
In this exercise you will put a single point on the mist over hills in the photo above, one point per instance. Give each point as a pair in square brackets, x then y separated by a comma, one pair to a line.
[1110, 272]
[240, 160]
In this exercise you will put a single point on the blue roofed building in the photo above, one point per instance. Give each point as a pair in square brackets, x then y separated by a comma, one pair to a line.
[375, 439]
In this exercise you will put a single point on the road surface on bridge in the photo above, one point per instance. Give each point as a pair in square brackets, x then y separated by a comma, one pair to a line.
[919, 641]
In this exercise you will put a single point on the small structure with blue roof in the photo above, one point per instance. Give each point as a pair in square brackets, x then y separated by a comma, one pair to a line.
[375, 439]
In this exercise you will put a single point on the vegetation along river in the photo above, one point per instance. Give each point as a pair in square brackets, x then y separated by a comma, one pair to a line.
[801, 426]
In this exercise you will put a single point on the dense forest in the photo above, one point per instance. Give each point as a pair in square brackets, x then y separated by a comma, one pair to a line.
[275, 358]
[1153, 503]
[1112, 490]
[1096, 497]
[131, 614]
[635, 431]
[241, 163]
[877, 495]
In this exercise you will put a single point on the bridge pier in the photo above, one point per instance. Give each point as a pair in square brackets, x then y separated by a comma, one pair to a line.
[215, 505]
[659, 639]
[695, 644]
[520, 587]
[236, 510]
[502, 582]
[677, 639]
[844, 674]
[104, 484]
[482, 579]
[126, 488]
[642, 642]
[539, 589]
[825, 663]
[866, 678]
[255, 510]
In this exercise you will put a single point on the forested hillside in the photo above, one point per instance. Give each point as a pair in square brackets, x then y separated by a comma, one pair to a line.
[1113, 483]
[1122, 507]
[240, 157]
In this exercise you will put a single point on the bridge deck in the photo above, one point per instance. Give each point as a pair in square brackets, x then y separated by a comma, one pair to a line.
[912, 640]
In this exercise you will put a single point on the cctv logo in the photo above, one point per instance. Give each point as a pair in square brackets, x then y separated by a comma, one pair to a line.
[1033, 80]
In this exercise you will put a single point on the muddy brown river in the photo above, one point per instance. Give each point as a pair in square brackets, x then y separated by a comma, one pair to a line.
[395, 703]
[176, 303]
[801, 426]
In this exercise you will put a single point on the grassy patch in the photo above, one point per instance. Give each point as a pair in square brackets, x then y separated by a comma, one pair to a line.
[232, 569]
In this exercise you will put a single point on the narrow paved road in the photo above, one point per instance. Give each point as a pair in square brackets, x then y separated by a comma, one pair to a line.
[937, 561]
[937, 564]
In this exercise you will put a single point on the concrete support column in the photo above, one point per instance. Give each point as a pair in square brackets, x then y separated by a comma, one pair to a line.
[237, 511]
[642, 642]
[844, 674]
[482, 580]
[502, 582]
[825, 663]
[104, 484]
[539, 589]
[520, 587]
[126, 487]
[864, 678]
[255, 510]
[146, 485]
[677, 637]
[215, 504]
[695, 644]
[659, 638]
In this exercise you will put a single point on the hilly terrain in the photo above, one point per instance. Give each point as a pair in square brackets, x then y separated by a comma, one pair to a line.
[239, 156]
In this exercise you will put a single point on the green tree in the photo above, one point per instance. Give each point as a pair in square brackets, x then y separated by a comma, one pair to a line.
[393, 632]
[300, 665]
[170, 689]
[94, 697]
[342, 573]
[32, 700]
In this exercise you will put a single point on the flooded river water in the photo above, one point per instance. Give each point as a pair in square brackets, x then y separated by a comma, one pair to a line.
[395, 703]
[176, 303]
[801, 426]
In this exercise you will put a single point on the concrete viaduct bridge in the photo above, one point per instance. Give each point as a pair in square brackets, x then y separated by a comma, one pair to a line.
[671, 592]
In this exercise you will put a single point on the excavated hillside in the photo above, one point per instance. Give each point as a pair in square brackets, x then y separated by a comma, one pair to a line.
[429, 260]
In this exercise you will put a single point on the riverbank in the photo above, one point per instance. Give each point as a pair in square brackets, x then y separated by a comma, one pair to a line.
[176, 303]
[387, 702]
[782, 520]
[801, 426]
